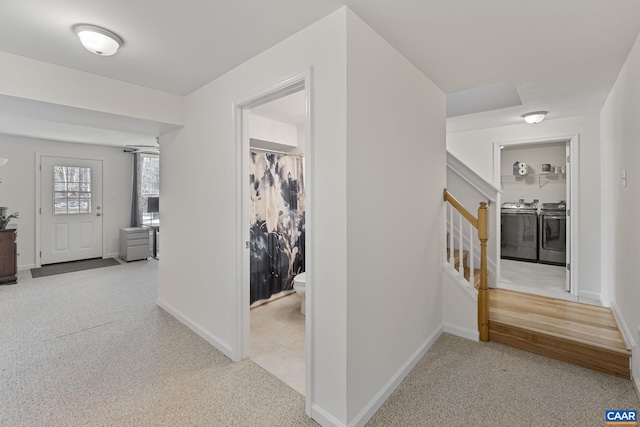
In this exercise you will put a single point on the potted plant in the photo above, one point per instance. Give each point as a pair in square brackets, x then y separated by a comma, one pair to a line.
[5, 219]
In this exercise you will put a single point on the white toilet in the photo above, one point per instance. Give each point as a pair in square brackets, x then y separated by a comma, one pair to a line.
[299, 284]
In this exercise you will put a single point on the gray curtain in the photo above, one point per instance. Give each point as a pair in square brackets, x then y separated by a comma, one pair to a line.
[136, 219]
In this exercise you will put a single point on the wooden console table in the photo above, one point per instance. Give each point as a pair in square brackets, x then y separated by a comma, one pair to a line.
[8, 256]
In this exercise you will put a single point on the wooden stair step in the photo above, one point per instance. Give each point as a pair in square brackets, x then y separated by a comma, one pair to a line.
[456, 258]
[581, 334]
[476, 276]
[467, 269]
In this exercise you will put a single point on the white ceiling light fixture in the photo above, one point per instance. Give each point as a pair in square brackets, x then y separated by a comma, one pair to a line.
[534, 117]
[98, 40]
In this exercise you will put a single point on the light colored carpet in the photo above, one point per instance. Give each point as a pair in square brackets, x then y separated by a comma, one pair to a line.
[91, 348]
[464, 383]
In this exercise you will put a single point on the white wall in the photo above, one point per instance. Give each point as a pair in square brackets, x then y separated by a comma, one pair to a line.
[459, 309]
[548, 188]
[352, 220]
[475, 148]
[36, 80]
[273, 131]
[620, 205]
[395, 176]
[18, 188]
[199, 173]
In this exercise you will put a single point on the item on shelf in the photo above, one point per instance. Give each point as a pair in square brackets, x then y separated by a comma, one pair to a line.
[5, 219]
[520, 169]
[545, 168]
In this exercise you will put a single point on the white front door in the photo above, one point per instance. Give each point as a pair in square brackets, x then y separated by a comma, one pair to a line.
[71, 209]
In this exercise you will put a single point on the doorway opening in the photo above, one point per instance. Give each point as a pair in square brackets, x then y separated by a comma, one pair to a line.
[538, 227]
[274, 147]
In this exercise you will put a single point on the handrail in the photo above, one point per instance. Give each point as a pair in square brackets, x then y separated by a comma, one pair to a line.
[448, 197]
[481, 225]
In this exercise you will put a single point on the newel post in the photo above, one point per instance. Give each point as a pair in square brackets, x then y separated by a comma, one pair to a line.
[483, 296]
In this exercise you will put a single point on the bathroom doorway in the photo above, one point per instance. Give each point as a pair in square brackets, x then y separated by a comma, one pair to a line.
[538, 183]
[273, 128]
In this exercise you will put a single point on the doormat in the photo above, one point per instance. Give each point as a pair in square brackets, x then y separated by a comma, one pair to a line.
[68, 267]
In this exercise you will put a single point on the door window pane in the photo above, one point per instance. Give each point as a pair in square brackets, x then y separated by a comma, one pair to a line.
[72, 190]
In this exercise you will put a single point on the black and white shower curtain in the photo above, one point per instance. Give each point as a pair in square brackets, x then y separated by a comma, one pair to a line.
[277, 222]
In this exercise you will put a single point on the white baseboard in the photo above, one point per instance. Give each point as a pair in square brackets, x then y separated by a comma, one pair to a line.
[635, 369]
[624, 329]
[630, 342]
[372, 407]
[217, 343]
[115, 255]
[324, 418]
[462, 332]
[26, 267]
[592, 296]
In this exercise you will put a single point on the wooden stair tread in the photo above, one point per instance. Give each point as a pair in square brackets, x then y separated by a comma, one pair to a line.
[577, 333]
[565, 320]
[557, 348]
[467, 269]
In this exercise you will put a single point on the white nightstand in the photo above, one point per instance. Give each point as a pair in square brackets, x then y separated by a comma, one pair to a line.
[134, 243]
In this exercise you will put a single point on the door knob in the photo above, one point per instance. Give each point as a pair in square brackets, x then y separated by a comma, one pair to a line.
[98, 214]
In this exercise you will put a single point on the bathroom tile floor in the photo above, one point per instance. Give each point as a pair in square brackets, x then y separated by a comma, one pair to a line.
[278, 340]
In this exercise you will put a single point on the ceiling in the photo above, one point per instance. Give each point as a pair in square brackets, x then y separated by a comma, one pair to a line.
[559, 56]
[290, 109]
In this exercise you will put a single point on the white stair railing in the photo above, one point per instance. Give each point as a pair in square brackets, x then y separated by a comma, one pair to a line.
[461, 243]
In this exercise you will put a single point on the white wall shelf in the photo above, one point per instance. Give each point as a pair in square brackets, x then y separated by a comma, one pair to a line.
[542, 178]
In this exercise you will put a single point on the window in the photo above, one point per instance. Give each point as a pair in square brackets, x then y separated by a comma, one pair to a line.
[149, 181]
[72, 190]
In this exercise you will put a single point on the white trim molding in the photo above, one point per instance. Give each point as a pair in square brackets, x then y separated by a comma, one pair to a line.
[635, 368]
[224, 347]
[372, 407]
[472, 178]
[465, 286]
[574, 200]
[462, 332]
[240, 115]
[629, 341]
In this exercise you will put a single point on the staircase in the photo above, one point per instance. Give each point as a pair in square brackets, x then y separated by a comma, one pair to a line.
[580, 334]
[467, 269]
[576, 333]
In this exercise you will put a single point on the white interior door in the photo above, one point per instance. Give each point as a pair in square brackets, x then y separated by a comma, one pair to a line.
[70, 209]
[568, 221]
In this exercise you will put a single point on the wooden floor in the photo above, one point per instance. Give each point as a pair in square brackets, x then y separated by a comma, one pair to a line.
[582, 334]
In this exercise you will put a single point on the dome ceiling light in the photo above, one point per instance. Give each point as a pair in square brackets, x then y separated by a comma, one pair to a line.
[534, 117]
[98, 40]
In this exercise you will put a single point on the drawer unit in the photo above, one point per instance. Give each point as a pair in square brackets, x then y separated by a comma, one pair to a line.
[134, 243]
[8, 256]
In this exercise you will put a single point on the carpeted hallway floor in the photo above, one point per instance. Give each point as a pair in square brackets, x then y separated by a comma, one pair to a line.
[91, 348]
